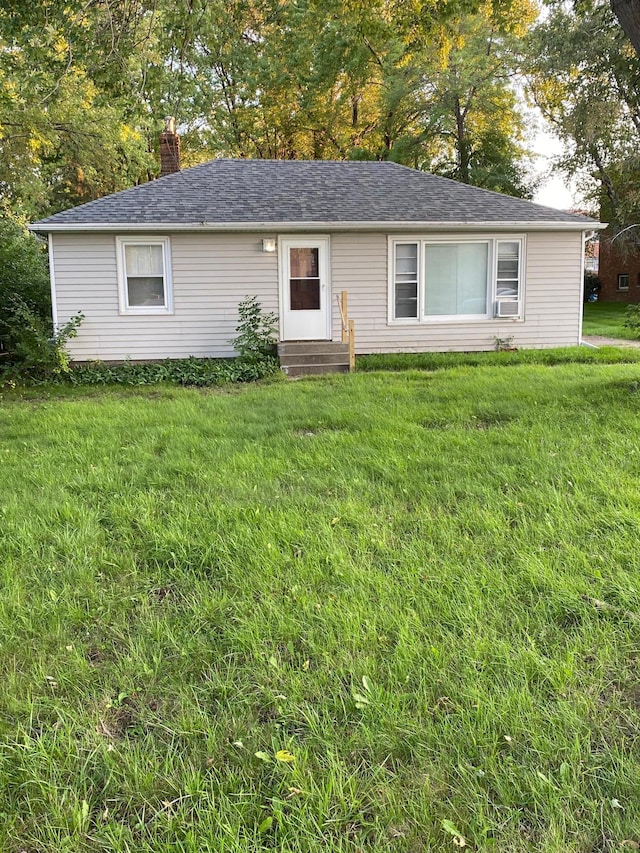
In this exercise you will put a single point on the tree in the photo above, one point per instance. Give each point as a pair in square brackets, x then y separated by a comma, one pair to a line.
[628, 14]
[480, 123]
[23, 272]
[86, 85]
[584, 76]
[69, 128]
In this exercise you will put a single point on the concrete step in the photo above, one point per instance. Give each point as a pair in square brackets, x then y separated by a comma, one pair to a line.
[293, 371]
[311, 347]
[292, 360]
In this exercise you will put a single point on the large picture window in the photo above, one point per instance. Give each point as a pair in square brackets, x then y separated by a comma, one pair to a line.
[144, 273]
[456, 276]
[443, 279]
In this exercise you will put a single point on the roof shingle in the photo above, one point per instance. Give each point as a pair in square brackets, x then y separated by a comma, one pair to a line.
[304, 191]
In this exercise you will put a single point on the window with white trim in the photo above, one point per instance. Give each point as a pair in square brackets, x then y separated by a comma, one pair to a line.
[406, 280]
[507, 301]
[623, 281]
[144, 275]
[441, 279]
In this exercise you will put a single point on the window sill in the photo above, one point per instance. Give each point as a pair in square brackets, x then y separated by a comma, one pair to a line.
[146, 312]
[451, 321]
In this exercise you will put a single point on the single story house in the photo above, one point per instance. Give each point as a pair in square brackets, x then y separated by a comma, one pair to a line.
[428, 264]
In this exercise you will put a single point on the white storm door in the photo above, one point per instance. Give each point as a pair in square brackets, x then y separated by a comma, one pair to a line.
[305, 294]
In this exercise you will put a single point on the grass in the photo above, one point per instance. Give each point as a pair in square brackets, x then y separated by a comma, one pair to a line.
[424, 586]
[607, 319]
[447, 360]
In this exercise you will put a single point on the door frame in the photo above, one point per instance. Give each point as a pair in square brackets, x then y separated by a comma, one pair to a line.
[323, 242]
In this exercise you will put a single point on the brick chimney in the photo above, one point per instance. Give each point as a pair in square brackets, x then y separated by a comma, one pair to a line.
[169, 148]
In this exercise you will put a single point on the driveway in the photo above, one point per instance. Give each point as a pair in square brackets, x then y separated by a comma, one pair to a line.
[599, 341]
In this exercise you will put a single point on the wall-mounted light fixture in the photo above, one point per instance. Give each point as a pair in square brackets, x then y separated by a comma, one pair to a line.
[269, 244]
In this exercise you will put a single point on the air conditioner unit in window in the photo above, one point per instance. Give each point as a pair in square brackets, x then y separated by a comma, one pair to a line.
[507, 308]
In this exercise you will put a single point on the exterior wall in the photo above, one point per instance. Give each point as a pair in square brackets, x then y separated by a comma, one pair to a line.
[616, 259]
[213, 272]
[552, 308]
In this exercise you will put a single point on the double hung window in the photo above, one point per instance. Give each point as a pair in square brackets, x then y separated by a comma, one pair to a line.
[144, 274]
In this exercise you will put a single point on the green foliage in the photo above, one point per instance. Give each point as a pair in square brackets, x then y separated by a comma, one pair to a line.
[31, 348]
[421, 587]
[632, 319]
[592, 284]
[183, 371]
[503, 344]
[480, 127]
[73, 124]
[85, 87]
[607, 319]
[37, 352]
[257, 331]
[23, 274]
[583, 74]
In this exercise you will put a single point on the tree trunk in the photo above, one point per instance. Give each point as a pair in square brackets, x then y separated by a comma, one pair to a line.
[462, 145]
[628, 14]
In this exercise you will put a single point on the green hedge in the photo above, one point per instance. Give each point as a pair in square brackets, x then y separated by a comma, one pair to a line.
[183, 371]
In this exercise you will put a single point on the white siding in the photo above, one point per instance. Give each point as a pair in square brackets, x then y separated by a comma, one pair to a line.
[213, 272]
[552, 308]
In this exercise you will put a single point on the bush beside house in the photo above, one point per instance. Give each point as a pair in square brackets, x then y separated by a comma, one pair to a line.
[24, 284]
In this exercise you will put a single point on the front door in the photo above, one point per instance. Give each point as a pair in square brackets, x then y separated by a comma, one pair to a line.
[305, 298]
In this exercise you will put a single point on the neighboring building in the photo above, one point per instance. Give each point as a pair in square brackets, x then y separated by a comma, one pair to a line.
[619, 269]
[592, 254]
[429, 264]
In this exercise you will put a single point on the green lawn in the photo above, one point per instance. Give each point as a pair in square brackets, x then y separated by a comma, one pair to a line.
[424, 586]
[606, 319]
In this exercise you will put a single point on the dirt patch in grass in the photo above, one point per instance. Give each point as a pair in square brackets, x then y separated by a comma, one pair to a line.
[493, 420]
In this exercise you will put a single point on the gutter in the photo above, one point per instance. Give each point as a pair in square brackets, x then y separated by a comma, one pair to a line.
[321, 226]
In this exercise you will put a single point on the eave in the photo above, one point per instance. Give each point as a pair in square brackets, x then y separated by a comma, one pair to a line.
[303, 227]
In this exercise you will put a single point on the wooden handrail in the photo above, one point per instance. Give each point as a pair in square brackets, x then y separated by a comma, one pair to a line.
[348, 329]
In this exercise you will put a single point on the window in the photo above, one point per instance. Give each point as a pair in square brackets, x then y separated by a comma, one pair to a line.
[144, 275]
[623, 281]
[406, 280]
[304, 279]
[441, 279]
[456, 279]
[507, 302]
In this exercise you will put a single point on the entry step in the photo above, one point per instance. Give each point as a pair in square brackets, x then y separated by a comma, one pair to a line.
[302, 358]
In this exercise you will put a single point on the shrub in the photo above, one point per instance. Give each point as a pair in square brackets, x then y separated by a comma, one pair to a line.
[23, 276]
[182, 371]
[256, 329]
[632, 318]
[592, 285]
[35, 351]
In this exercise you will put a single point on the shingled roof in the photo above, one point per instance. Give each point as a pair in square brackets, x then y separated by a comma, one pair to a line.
[242, 193]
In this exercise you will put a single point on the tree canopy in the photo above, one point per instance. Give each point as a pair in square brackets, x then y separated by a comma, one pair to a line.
[86, 85]
[585, 76]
